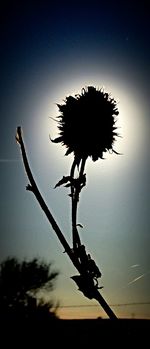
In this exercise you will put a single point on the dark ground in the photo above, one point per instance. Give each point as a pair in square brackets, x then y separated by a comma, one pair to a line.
[76, 333]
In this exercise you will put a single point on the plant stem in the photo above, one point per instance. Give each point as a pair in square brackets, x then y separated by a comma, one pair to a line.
[33, 188]
[75, 235]
[105, 306]
[75, 191]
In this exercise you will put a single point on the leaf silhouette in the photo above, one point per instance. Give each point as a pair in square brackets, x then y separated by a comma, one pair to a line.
[57, 140]
[67, 185]
[62, 181]
[79, 225]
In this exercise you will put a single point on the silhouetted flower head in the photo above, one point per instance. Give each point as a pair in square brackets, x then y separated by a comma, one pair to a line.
[87, 123]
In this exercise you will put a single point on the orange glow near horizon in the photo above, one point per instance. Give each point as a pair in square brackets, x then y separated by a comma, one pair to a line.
[80, 313]
[95, 312]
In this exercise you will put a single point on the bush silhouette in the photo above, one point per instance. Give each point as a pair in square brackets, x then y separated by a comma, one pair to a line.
[21, 284]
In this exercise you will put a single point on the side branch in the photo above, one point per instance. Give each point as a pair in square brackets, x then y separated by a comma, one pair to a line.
[33, 187]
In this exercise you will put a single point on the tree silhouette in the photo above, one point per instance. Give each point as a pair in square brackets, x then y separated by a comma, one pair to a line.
[20, 286]
[87, 129]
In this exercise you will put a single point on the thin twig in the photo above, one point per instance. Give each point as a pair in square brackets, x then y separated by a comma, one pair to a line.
[33, 187]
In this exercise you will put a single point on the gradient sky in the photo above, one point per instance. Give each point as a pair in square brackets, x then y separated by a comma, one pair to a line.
[51, 49]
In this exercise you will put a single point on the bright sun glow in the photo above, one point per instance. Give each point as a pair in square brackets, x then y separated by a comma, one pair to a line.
[129, 121]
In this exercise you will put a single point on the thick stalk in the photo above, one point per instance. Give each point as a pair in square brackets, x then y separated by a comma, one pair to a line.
[105, 306]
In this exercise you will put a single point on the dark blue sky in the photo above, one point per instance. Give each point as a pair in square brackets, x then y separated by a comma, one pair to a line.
[50, 49]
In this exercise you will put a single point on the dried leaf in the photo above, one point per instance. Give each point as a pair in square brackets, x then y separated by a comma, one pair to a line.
[79, 225]
[67, 185]
[57, 140]
[64, 180]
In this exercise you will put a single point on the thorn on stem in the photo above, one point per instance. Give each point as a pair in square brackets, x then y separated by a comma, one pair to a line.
[29, 187]
[18, 134]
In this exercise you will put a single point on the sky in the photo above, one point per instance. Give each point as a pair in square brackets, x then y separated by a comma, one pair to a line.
[51, 49]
